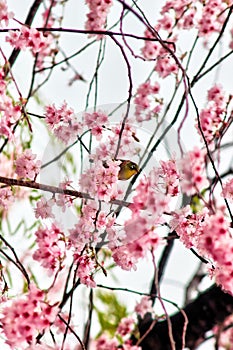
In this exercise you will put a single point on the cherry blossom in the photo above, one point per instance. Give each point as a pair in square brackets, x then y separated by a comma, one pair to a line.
[147, 105]
[63, 122]
[43, 209]
[192, 174]
[144, 306]
[5, 15]
[51, 251]
[96, 18]
[96, 122]
[101, 180]
[212, 117]
[31, 313]
[27, 38]
[6, 198]
[227, 191]
[104, 343]
[27, 166]
[126, 326]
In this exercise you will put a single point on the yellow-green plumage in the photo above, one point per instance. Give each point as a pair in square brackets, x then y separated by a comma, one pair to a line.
[127, 170]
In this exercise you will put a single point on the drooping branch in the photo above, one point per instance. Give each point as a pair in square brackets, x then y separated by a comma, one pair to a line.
[206, 311]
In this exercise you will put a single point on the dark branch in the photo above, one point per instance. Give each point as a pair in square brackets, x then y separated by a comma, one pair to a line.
[206, 311]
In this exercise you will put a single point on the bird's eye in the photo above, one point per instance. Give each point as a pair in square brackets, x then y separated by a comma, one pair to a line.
[133, 167]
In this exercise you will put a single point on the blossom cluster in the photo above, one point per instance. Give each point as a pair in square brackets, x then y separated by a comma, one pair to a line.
[212, 117]
[147, 105]
[140, 231]
[32, 315]
[96, 18]
[91, 224]
[192, 171]
[52, 246]
[87, 232]
[28, 38]
[128, 146]
[176, 15]
[210, 234]
[87, 267]
[121, 338]
[6, 198]
[153, 50]
[5, 14]
[216, 242]
[96, 122]
[207, 17]
[62, 122]
[213, 15]
[227, 190]
[10, 110]
[7, 169]
[125, 329]
[41, 44]
[101, 180]
[27, 166]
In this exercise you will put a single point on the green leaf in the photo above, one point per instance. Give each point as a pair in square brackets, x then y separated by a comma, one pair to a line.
[110, 313]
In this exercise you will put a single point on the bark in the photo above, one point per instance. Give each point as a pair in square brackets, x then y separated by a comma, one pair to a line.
[207, 310]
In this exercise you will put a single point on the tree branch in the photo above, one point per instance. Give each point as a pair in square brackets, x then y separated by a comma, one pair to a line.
[207, 310]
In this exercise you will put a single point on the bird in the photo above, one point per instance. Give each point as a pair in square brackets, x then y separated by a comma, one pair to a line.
[127, 170]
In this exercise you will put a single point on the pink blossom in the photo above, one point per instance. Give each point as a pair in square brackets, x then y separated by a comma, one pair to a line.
[227, 191]
[62, 200]
[144, 306]
[101, 180]
[188, 226]
[150, 197]
[95, 118]
[51, 251]
[24, 318]
[104, 343]
[170, 176]
[96, 122]
[54, 116]
[210, 234]
[6, 198]
[27, 166]
[192, 171]
[147, 105]
[151, 48]
[166, 66]
[96, 18]
[62, 121]
[189, 18]
[10, 110]
[86, 269]
[5, 15]
[166, 23]
[212, 17]
[213, 115]
[27, 37]
[126, 326]
[89, 227]
[123, 259]
[44, 208]
[178, 6]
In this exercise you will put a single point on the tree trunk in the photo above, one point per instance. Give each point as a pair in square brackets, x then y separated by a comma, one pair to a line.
[207, 310]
